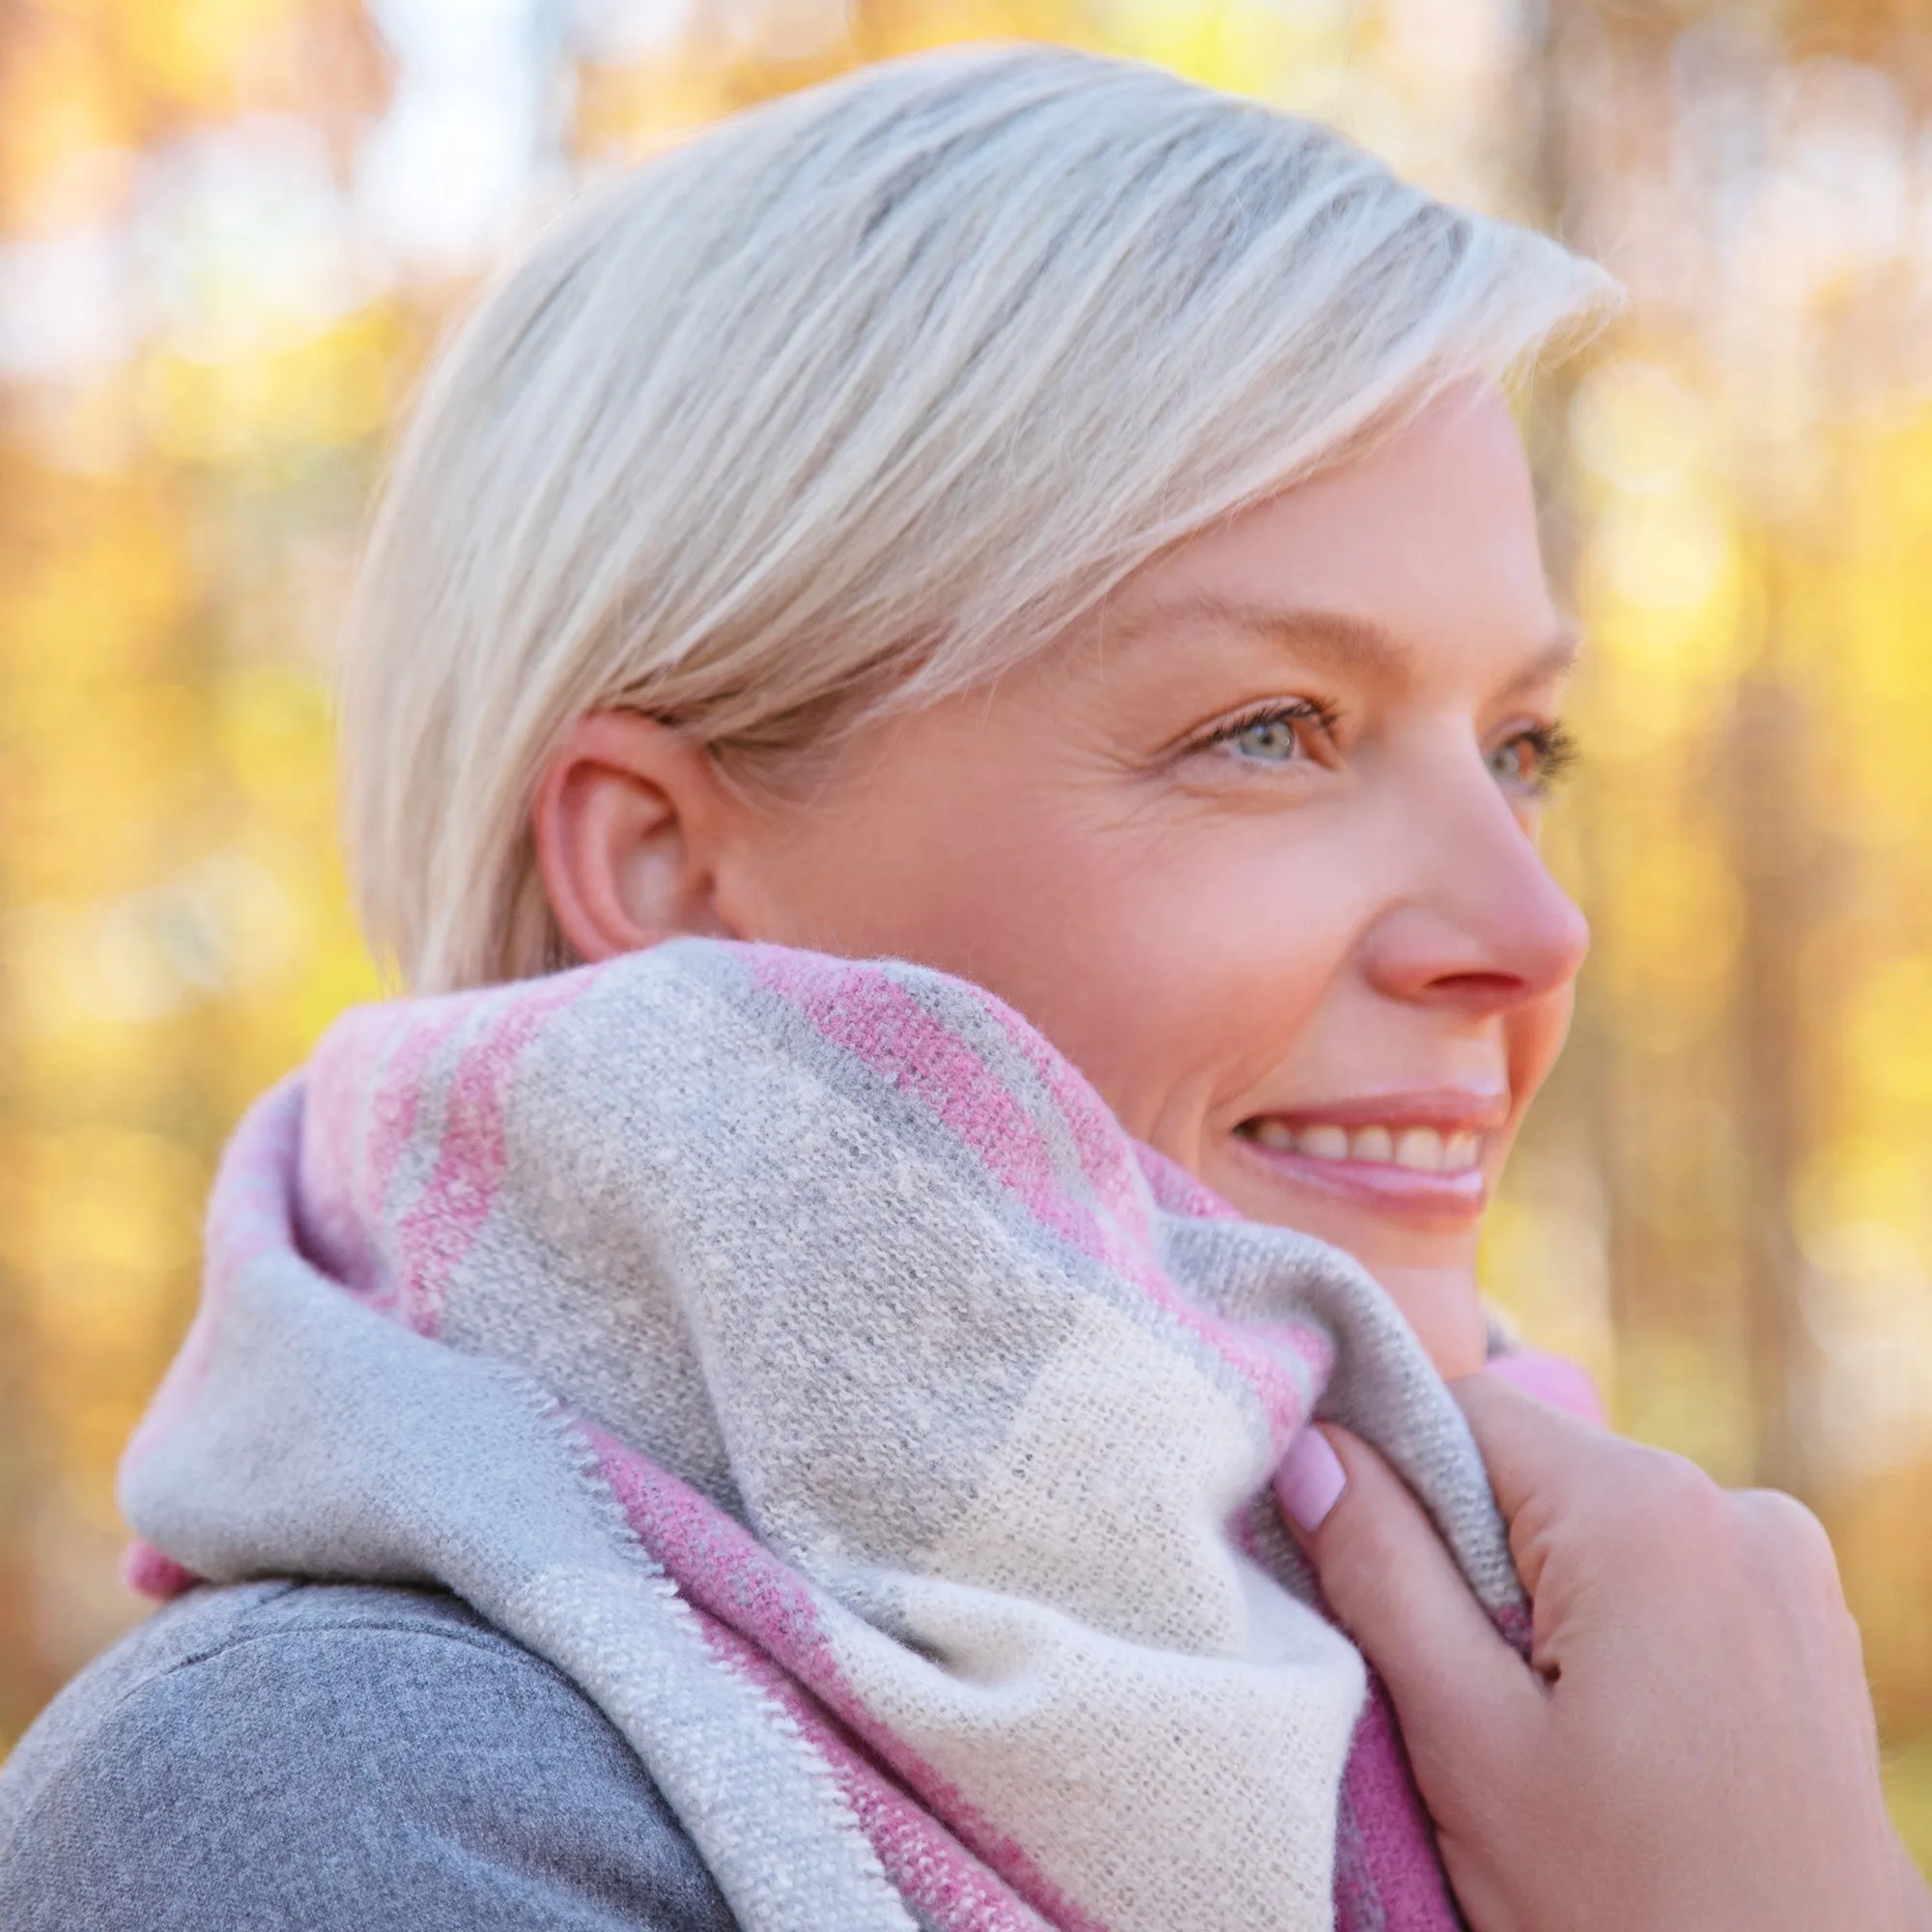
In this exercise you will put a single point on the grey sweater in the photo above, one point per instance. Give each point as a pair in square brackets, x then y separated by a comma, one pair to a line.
[335, 1758]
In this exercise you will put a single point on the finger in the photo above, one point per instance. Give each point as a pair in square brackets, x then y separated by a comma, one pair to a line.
[1565, 1484]
[1528, 1447]
[1398, 1592]
[1551, 1379]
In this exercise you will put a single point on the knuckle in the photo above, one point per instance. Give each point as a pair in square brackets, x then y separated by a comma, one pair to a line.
[1684, 1487]
[1790, 1538]
[1677, 1499]
[1667, 1519]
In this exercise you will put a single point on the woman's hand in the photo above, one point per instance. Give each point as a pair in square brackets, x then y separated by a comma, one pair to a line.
[1693, 1750]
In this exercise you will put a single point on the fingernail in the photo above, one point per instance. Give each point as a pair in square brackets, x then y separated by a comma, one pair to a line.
[1310, 1480]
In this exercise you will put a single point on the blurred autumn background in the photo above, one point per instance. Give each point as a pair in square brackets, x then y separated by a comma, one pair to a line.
[229, 232]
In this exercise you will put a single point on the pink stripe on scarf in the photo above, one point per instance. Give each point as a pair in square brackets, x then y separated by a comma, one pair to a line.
[932, 1870]
[442, 1224]
[359, 1122]
[348, 1124]
[1177, 1192]
[1398, 1884]
[147, 1572]
[1092, 1127]
[726, 1571]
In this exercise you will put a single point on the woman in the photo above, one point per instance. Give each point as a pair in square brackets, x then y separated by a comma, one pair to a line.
[1058, 532]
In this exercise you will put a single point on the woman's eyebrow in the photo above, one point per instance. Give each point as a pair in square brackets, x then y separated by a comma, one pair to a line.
[1555, 658]
[1332, 638]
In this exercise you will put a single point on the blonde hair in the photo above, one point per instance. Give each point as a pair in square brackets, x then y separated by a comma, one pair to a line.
[856, 401]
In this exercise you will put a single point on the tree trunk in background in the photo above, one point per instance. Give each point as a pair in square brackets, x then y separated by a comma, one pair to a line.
[22, 1689]
[1584, 68]
[1774, 856]
[1603, 81]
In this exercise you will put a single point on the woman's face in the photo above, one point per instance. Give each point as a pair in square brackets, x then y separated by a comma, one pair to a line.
[1255, 849]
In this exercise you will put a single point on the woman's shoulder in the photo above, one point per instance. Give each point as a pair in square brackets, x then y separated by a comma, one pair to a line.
[323, 1755]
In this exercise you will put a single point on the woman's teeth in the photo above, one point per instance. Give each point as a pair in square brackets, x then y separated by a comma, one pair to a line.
[1424, 1149]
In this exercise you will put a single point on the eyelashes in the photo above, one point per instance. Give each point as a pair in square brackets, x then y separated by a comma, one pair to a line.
[1277, 732]
[1288, 732]
[1552, 750]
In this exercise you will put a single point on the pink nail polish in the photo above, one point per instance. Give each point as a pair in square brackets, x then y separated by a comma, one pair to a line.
[1310, 1480]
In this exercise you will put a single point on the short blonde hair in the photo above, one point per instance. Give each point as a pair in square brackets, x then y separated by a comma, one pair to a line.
[856, 401]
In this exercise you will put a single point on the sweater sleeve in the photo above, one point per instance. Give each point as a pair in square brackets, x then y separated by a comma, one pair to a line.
[356, 1776]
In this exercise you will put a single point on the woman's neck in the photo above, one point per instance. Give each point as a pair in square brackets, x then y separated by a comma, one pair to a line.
[1446, 1313]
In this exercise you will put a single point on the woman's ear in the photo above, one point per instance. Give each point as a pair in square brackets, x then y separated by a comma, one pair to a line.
[629, 821]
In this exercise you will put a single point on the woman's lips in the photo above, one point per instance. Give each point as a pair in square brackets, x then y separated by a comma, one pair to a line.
[1431, 1167]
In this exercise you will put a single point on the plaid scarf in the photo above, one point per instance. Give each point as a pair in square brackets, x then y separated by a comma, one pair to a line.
[799, 1356]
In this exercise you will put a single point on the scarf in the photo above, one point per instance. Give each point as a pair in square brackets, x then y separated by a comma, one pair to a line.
[799, 1356]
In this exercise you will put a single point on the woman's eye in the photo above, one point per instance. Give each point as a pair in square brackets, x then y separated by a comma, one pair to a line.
[1512, 761]
[1271, 739]
[1280, 736]
[1530, 760]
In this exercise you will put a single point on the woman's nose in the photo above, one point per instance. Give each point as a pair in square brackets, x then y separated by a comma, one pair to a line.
[1484, 928]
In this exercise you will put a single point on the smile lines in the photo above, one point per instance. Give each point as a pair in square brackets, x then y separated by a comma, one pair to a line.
[1419, 1149]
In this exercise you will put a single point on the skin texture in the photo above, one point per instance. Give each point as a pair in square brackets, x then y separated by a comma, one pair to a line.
[1334, 916]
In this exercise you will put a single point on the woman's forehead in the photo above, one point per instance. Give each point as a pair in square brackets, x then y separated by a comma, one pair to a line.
[1421, 555]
